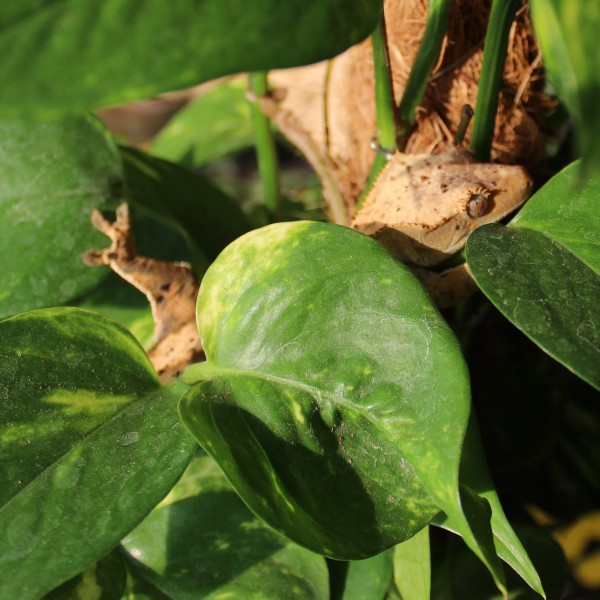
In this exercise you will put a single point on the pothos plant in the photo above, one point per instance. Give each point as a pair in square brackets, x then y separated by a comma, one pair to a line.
[330, 398]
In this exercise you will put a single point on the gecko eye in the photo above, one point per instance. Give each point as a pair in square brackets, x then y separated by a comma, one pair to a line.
[477, 206]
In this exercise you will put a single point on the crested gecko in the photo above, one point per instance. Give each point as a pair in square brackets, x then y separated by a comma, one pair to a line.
[423, 207]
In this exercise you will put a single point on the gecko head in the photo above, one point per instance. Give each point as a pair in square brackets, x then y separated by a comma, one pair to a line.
[494, 192]
[423, 207]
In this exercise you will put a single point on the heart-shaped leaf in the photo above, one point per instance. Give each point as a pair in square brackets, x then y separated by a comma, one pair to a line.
[543, 272]
[89, 443]
[53, 176]
[201, 541]
[335, 397]
[75, 54]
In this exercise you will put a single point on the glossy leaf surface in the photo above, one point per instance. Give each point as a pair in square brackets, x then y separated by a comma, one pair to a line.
[74, 54]
[53, 176]
[329, 378]
[212, 126]
[90, 442]
[567, 31]
[543, 272]
[203, 542]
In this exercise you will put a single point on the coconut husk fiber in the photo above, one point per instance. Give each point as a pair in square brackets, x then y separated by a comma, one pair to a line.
[328, 109]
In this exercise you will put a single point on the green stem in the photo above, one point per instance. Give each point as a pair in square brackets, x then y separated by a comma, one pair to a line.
[494, 56]
[198, 372]
[376, 168]
[384, 91]
[427, 56]
[266, 151]
[338, 575]
[384, 104]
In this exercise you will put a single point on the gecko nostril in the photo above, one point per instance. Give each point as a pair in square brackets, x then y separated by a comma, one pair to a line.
[477, 206]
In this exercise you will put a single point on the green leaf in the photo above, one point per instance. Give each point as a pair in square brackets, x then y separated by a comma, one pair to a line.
[567, 32]
[211, 127]
[412, 567]
[141, 589]
[135, 50]
[543, 272]
[458, 574]
[208, 218]
[104, 580]
[119, 300]
[330, 376]
[202, 542]
[89, 443]
[483, 509]
[265, 148]
[53, 175]
[475, 476]
[566, 210]
[369, 579]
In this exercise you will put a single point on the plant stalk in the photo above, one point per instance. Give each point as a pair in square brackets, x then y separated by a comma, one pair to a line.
[466, 115]
[502, 16]
[427, 56]
[385, 106]
[266, 151]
